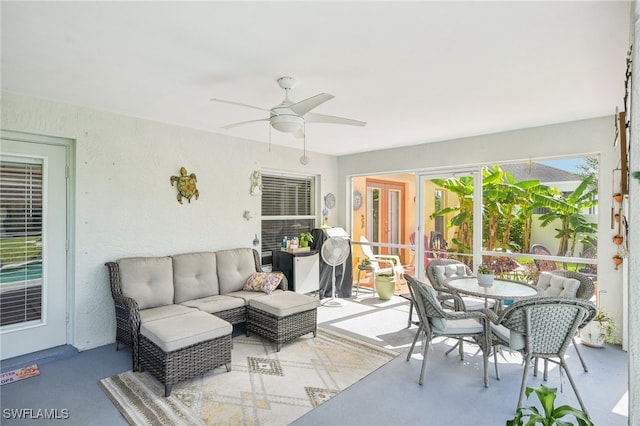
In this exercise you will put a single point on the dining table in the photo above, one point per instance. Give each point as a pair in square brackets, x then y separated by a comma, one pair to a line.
[501, 289]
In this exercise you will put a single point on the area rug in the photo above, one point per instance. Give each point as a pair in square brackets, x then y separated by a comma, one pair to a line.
[264, 387]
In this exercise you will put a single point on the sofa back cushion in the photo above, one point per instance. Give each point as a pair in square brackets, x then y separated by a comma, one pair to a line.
[195, 276]
[235, 266]
[148, 280]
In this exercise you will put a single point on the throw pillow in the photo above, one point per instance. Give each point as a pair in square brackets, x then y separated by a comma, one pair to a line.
[263, 281]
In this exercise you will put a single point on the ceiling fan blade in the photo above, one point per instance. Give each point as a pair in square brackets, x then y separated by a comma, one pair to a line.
[303, 107]
[237, 103]
[321, 118]
[231, 126]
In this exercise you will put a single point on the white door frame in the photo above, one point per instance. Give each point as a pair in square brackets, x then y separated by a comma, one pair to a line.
[69, 154]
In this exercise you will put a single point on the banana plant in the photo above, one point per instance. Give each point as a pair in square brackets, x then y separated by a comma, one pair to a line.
[569, 211]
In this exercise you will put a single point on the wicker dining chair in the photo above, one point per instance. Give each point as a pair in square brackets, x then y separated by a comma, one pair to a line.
[585, 291]
[438, 272]
[541, 327]
[436, 321]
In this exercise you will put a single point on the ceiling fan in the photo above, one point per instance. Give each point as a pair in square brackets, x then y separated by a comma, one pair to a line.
[291, 117]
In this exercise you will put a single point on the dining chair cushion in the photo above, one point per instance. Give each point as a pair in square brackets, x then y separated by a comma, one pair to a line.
[444, 272]
[562, 287]
[544, 280]
[470, 303]
[439, 324]
[462, 326]
[516, 340]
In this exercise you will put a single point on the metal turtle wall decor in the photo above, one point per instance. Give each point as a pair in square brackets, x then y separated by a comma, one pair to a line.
[186, 185]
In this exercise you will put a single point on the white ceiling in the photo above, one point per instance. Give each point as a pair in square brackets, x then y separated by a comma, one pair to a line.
[416, 72]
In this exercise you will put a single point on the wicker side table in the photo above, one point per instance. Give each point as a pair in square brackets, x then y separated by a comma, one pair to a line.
[281, 317]
[180, 347]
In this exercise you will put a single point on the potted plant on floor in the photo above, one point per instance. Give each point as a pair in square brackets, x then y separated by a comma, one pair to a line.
[385, 283]
[599, 331]
[485, 276]
[550, 414]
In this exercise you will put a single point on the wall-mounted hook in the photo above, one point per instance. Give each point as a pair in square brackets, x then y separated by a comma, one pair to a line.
[247, 214]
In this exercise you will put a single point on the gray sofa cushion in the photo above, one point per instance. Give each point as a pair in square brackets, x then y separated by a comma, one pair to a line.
[171, 334]
[161, 312]
[215, 304]
[195, 276]
[234, 268]
[148, 280]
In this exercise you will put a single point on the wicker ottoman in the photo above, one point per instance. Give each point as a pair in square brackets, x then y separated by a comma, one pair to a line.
[281, 317]
[178, 348]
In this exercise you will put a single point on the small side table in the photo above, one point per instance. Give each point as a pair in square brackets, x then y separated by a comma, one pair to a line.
[365, 268]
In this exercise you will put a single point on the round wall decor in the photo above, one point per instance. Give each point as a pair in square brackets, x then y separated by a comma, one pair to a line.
[357, 200]
[330, 200]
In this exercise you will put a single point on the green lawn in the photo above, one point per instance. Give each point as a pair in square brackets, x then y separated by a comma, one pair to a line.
[20, 249]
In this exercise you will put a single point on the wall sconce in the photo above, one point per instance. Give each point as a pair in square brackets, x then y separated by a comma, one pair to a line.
[256, 240]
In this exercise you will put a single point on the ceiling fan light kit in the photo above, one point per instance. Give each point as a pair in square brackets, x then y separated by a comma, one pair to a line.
[286, 123]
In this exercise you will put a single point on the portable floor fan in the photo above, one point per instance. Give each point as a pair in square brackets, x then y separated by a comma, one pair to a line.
[335, 251]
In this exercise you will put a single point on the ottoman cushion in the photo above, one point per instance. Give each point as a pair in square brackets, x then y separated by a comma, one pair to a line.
[178, 332]
[285, 303]
[161, 312]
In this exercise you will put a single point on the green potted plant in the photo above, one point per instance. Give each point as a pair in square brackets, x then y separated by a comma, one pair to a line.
[385, 283]
[485, 276]
[601, 330]
[551, 416]
[305, 239]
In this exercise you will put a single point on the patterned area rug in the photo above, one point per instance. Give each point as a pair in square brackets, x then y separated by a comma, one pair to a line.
[264, 387]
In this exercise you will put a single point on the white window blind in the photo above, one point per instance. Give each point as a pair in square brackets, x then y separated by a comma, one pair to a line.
[287, 210]
[20, 240]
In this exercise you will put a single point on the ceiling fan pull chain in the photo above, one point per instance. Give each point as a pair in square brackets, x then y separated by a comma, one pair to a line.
[269, 138]
[304, 160]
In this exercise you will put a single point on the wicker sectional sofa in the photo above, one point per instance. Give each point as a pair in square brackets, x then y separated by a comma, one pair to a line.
[147, 289]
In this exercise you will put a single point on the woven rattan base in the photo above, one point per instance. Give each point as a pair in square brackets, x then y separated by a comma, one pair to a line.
[233, 316]
[173, 367]
[281, 329]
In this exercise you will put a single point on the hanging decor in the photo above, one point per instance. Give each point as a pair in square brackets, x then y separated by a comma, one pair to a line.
[186, 185]
[620, 178]
[256, 183]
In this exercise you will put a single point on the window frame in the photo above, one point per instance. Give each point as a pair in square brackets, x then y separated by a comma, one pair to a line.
[267, 244]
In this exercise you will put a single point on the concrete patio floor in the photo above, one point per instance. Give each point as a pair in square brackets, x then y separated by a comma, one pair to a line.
[452, 393]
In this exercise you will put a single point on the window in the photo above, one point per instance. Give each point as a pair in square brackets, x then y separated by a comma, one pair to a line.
[287, 209]
[20, 241]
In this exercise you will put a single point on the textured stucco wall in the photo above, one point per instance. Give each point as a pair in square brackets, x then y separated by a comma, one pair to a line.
[125, 205]
[633, 294]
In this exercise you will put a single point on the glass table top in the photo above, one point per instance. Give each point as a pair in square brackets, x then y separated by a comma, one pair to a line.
[500, 290]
